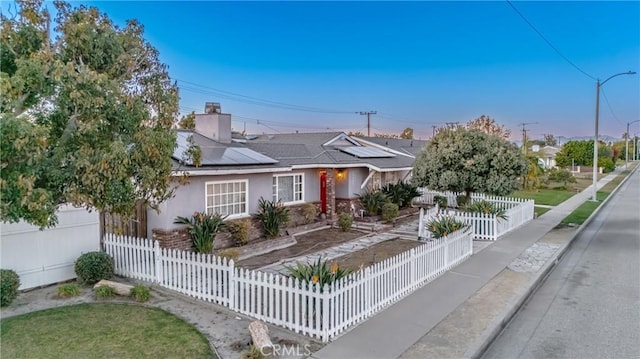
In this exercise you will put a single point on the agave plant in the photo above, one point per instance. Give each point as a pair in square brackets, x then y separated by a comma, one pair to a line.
[319, 272]
[487, 207]
[202, 228]
[442, 226]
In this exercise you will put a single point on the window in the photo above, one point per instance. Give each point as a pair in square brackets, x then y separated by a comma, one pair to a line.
[288, 188]
[227, 198]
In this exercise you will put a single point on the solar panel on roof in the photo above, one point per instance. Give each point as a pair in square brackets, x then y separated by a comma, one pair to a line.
[219, 154]
[366, 152]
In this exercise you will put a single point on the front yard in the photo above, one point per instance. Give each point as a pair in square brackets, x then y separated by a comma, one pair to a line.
[307, 243]
[375, 253]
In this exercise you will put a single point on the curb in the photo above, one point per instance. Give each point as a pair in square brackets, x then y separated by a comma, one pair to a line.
[478, 348]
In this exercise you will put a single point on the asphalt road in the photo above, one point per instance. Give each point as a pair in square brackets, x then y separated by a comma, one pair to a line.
[589, 306]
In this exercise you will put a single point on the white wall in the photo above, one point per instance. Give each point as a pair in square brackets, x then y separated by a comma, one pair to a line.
[48, 256]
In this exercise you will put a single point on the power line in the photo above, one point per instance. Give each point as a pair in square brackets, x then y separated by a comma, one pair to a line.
[207, 90]
[609, 105]
[547, 41]
[368, 113]
[524, 135]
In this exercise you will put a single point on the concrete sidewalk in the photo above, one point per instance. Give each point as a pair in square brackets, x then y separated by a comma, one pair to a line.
[457, 315]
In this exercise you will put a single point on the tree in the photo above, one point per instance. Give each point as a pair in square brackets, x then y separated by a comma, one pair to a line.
[462, 160]
[531, 179]
[488, 125]
[86, 119]
[580, 153]
[550, 140]
[386, 135]
[356, 134]
[407, 133]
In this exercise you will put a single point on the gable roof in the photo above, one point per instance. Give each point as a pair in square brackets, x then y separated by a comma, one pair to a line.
[410, 147]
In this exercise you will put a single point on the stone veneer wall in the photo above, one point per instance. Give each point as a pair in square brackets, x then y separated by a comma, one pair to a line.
[179, 238]
[343, 205]
[331, 194]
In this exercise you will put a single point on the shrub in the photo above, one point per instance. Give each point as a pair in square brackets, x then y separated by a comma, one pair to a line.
[229, 253]
[607, 164]
[395, 193]
[389, 211]
[487, 207]
[202, 229]
[309, 212]
[317, 273]
[9, 284]
[372, 201]
[441, 201]
[410, 192]
[561, 175]
[68, 290]
[272, 215]
[442, 226]
[94, 266]
[140, 293]
[345, 221]
[104, 291]
[239, 231]
[252, 353]
[462, 201]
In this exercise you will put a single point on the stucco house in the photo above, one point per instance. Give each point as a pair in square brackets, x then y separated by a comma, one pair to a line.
[328, 169]
[546, 156]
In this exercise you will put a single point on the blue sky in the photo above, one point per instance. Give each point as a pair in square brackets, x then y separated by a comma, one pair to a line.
[416, 63]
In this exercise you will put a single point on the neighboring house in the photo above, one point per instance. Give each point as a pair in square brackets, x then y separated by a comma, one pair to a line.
[546, 156]
[328, 169]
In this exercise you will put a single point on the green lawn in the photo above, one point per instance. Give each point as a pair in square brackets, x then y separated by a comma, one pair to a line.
[580, 214]
[539, 211]
[549, 197]
[103, 330]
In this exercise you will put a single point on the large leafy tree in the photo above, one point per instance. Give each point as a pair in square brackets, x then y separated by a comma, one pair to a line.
[86, 119]
[463, 160]
[488, 125]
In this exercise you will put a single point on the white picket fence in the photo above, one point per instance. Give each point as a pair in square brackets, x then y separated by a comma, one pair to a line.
[485, 226]
[323, 313]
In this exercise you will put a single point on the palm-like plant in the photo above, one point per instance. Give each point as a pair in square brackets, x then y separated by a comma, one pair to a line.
[372, 201]
[202, 229]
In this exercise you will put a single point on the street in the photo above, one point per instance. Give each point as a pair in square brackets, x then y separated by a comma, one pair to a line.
[589, 306]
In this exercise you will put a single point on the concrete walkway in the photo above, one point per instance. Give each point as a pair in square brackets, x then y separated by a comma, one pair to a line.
[473, 297]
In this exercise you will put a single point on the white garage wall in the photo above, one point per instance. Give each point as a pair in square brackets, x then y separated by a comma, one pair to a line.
[48, 256]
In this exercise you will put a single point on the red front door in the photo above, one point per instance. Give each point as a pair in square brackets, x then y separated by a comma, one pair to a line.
[323, 192]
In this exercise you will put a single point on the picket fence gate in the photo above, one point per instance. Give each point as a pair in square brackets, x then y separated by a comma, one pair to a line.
[319, 312]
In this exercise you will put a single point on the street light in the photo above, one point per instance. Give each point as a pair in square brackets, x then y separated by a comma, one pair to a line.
[626, 144]
[595, 140]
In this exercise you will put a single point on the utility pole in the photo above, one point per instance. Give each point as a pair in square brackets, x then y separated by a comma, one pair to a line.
[368, 113]
[524, 135]
[451, 124]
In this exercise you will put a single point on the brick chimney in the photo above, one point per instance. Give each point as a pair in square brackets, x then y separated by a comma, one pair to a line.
[213, 123]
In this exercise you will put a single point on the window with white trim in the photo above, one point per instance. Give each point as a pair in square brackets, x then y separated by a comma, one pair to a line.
[288, 188]
[227, 198]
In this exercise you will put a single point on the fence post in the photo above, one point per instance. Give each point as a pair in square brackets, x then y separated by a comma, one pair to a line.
[420, 222]
[231, 291]
[158, 261]
[326, 295]
[367, 290]
[414, 268]
[446, 252]
[495, 227]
